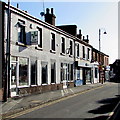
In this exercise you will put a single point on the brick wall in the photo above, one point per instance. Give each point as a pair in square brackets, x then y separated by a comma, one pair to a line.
[40, 89]
[71, 84]
[1, 94]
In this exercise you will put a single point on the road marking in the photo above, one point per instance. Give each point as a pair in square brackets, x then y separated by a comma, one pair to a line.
[66, 90]
[62, 92]
[71, 90]
[47, 104]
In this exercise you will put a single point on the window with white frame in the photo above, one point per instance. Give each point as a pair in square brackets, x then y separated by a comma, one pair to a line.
[21, 32]
[53, 41]
[88, 53]
[23, 71]
[83, 49]
[63, 45]
[96, 72]
[71, 71]
[77, 50]
[71, 47]
[44, 67]
[33, 72]
[53, 71]
[66, 71]
[61, 72]
[40, 37]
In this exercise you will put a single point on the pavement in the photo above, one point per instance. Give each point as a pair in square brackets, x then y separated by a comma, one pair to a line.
[14, 105]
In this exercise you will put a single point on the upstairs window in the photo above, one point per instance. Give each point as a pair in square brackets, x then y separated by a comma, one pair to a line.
[63, 45]
[95, 56]
[53, 41]
[71, 46]
[88, 50]
[77, 50]
[83, 48]
[21, 32]
[40, 37]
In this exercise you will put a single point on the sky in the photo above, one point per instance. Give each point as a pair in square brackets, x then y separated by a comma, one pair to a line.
[89, 16]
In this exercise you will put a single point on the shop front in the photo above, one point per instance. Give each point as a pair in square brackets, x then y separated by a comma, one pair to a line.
[84, 73]
[87, 76]
[18, 74]
[66, 74]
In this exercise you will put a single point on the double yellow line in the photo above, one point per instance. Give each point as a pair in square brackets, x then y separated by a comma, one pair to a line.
[47, 104]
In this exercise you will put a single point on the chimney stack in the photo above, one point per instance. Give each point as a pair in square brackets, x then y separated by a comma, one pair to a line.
[50, 17]
[86, 40]
[80, 34]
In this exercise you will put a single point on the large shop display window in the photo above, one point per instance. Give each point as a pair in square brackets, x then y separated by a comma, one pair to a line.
[23, 71]
[44, 72]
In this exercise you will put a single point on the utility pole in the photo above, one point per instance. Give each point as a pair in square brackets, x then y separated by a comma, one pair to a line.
[100, 52]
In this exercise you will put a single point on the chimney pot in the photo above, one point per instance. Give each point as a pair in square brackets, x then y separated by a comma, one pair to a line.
[47, 11]
[83, 37]
[79, 32]
[87, 37]
[51, 10]
[17, 5]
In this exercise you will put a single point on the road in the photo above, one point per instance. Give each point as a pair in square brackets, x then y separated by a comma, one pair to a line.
[91, 105]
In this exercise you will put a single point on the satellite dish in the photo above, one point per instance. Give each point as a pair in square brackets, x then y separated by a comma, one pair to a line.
[42, 14]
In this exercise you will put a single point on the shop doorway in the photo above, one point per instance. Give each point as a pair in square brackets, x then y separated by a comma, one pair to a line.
[86, 76]
[13, 78]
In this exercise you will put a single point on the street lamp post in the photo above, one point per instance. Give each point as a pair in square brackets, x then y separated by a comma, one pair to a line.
[100, 49]
[100, 38]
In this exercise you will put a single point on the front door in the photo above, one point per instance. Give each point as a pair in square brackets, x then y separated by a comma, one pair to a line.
[13, 79]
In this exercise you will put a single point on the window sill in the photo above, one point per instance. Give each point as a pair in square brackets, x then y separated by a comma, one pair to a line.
[23, 86]
[21, 44]
[44, 84]
[33, 85]
[52, 51]
[53, 83]
[62, 54]
[38, 48]
[70, 81]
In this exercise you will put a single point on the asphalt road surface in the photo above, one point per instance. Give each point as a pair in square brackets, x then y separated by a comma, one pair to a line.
[91, 105]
